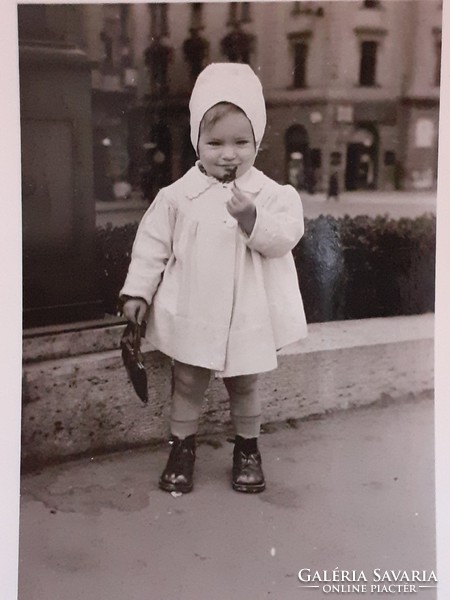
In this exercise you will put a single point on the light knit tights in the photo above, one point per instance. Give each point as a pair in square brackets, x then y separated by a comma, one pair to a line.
[245, 404]
[189, 386]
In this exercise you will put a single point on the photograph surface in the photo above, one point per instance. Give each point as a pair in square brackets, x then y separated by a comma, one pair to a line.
[228, 299]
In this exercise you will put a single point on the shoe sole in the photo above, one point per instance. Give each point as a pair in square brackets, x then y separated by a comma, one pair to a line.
[249, 489]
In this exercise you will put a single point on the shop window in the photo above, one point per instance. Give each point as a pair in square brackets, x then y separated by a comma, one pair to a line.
[362, 157]
[368, 63]
[299, 168]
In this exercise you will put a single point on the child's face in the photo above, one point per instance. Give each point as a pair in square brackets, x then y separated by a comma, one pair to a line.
[227, 146]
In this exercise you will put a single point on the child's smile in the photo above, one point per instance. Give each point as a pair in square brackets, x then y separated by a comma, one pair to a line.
[227, 148]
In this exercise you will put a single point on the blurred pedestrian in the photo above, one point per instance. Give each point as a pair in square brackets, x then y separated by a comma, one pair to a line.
[213, 275]
[333, 186]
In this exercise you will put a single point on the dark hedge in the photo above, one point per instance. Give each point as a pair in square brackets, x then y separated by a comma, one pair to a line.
[348, 268]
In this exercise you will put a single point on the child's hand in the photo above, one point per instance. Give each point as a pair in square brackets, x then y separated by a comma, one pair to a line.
[242, 208]
[134, 310]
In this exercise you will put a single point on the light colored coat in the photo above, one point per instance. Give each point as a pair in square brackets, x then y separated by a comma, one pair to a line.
[218, 298]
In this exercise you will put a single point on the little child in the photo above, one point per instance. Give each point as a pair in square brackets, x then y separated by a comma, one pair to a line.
[213, 274]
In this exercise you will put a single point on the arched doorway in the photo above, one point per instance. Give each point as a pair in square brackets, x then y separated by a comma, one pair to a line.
[299, 171]
[362, 153]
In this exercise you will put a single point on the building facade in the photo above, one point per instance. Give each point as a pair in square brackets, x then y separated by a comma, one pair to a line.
[352, 87]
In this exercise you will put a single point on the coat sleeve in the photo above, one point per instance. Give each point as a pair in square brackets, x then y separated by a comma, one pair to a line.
[152, 249]
[279, 223]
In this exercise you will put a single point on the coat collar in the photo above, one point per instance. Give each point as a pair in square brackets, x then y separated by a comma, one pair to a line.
[195, 182]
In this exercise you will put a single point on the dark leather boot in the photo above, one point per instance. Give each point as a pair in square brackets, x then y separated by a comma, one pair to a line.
[178, 474]
[248, 476]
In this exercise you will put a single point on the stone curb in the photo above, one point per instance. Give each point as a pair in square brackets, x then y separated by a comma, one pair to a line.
[77, 400]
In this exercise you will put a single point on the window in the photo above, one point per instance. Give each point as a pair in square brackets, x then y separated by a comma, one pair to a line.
[238, 45]
[316, 158]
[437, 70]
[159, 20]
[389, 158]
[197, 15]
[112, 37]
[437, 57]
[371, 4]
[368, 64]
[240, 12]
[32, 21]
[124, 18]
[233, 16]
[299, 47]
[117, 60]
[246, 16]
[196, 47]
[307, 8]
[300, 60]
[335, 159]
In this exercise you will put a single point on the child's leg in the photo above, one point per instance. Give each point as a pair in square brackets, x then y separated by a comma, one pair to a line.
[189, 387]
[245, 405]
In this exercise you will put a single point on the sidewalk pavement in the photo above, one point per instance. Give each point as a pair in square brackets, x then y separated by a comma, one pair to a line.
[395, 204]
[353, 490]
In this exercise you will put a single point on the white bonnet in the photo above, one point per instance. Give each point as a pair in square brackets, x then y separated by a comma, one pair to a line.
[228, 82]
